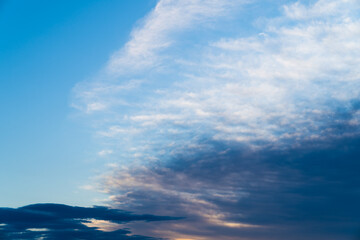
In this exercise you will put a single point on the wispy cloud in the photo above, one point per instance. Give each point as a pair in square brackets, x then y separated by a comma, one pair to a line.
[105, 152]
[280, 85]
[320, 9]
[156, 33]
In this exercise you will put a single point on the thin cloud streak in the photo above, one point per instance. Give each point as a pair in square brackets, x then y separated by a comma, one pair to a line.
[170, 17]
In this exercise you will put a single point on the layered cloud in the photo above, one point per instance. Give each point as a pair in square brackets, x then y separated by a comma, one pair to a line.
[247, 125]
[57, 221]
[281, 84]
[306, 192]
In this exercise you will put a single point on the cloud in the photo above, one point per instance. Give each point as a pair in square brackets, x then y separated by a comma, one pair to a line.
[157, 30]
[58, 221]
[280, 84]
[320, 9]
[105, 152]
[309, 191]
[281, 87]
[249, 133]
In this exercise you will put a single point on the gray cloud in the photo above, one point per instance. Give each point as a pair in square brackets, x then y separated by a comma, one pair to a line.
[58, 221]
[230, 191]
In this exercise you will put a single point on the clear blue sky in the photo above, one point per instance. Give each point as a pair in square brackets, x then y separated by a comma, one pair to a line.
[46, 48]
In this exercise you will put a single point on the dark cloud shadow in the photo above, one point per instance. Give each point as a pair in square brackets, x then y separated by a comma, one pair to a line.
[58, 221]
[310, 190]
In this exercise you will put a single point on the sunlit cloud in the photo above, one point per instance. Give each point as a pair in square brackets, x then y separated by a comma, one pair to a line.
[102, 225]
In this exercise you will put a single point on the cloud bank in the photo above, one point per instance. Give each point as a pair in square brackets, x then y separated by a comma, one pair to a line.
[246, 124]
[58, 221]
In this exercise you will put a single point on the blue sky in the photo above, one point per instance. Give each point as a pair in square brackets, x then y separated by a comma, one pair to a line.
[196, 119]
[46, 49]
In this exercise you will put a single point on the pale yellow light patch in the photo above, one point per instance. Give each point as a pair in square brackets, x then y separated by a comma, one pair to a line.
[217, 220]
[102, 225]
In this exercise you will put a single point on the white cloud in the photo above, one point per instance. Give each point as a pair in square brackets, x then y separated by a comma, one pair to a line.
[156, 33]
[100, 96]
[320, 9]
[271, 86]
[279, 85]
[37, 229]
[105, 152]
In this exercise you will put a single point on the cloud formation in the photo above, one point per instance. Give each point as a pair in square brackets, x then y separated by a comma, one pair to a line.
[239, 193]
[169, 18]
[249, 133]
[58, 221]
[279, 85]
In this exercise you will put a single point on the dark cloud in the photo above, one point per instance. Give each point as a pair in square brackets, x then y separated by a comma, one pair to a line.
[58, 221]
[308, 191]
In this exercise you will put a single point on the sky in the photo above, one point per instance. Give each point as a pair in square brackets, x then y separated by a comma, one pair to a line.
[180, 119]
